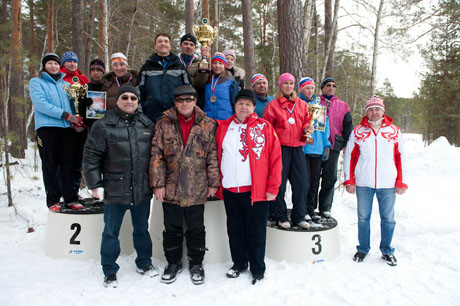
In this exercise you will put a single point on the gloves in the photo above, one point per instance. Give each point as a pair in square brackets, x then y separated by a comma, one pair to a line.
[72, 118]
[79, 127]
[326, 152]
[85, 101]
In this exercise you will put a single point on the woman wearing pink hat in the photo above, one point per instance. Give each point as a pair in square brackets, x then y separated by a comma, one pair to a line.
[289, 116]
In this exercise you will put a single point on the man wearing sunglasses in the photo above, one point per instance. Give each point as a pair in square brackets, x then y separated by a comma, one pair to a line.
[184, 172]
[116, 158]
[340, 125]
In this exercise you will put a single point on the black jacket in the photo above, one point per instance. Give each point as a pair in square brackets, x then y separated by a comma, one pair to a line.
[116, 156]
[156, 85]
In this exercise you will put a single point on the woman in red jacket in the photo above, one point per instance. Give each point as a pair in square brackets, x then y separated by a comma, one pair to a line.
[250, 162]
[289, 116]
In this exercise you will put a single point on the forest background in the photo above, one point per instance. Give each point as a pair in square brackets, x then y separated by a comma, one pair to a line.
[316, 38]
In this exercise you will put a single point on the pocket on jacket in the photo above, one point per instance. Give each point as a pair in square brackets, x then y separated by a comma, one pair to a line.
[339, 143]
[113, 184]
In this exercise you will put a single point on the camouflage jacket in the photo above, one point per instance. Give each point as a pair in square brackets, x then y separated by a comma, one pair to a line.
[187, 171]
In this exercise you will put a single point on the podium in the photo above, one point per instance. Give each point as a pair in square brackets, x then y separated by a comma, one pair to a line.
[215, 222]
[77, 234]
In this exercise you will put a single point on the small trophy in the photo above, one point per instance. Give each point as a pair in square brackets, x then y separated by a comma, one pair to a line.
[76, 91]
[315, 112]
[206, 35]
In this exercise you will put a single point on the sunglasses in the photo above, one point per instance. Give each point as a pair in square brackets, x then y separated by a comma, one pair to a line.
[126, 98]
[187, 100]
[331, 85]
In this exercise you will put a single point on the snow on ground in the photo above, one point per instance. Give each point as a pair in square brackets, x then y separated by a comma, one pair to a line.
[427, 242]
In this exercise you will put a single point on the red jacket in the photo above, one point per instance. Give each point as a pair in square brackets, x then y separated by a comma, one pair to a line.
[82, 79]
[277, 113]
[264, 156]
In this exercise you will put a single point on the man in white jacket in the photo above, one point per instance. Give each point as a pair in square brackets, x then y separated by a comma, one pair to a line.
[374, 164]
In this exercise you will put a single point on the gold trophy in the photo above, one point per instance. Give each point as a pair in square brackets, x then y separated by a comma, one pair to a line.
[315, 111]
[206, 35]
[76, 91]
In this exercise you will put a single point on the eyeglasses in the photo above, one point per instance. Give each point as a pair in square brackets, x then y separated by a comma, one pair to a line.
[187, 100]
[126, 98]
[331, 85]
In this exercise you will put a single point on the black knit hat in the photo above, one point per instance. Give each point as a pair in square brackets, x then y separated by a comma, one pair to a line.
[246, 94]
[327, 80]
[188, 37]
[97, 64]
[184, 90]
[127, 88]
[50, 56]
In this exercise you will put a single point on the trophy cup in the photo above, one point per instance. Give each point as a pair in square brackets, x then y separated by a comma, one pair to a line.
[76, 91]
[315, 111]
[206, 35]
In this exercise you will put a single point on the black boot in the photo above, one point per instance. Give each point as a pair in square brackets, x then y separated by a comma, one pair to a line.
[197, 274]
[170, 273]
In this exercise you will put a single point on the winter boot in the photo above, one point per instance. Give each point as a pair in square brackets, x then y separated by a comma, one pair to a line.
[197, 274]
[170, 273]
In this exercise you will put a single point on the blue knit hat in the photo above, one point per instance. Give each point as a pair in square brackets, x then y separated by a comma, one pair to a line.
[304, 82]
[327, 80]
[219, 57]
[69, 56]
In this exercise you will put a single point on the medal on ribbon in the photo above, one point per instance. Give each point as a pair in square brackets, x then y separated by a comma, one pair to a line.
[213, 88]
[291, 119]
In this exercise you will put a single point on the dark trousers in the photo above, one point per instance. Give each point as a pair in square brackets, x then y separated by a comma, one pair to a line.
[314, 169]
[80, 139]
[110, 244]
[246, 229]
[195, 235]
[294, 169]
[328, 179]
[56, 149]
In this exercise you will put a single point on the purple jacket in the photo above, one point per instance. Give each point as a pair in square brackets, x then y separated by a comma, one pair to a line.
[340, 123]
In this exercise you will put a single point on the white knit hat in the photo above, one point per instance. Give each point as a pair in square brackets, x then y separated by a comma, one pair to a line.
[118, 57]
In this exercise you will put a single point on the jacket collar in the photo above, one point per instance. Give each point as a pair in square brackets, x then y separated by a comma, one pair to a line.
[386, 121]
[47, 77]
[114, 115]
[172, 114]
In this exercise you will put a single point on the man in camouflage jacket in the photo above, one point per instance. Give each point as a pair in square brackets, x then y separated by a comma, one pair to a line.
[184, 172]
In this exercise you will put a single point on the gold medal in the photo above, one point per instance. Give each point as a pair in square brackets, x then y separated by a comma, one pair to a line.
[213, 99]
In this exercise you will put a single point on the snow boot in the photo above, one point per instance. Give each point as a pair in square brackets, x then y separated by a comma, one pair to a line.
[257, 278]
[170, 273]
[110, 281]
[390, 259]
[359, 256]
[197, 274]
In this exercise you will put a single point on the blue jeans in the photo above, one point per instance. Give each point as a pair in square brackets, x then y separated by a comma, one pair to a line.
[110, 245]
[386, 198]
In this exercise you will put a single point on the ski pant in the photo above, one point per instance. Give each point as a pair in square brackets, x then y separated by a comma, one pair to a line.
[56, 149]
[195, 235]
[110, 244]
[294, 169]
[314, 169]
[246, 229]
[328, 180]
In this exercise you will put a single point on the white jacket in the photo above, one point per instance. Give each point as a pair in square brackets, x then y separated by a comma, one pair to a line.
[375, 159]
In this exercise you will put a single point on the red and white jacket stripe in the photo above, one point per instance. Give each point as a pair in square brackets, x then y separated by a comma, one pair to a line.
[375, 159]
[263, 150]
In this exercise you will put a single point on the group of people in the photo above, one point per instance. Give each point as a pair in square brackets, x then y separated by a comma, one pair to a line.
[186, 133]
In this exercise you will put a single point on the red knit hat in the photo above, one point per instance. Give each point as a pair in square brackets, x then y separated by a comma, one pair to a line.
[375, 101]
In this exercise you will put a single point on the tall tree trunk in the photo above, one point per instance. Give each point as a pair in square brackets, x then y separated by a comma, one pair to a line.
[328, 63]
[4, 96]
[50, 27]
[290, 29]
[103, 49]
[131, 28]
[307, 23]
[215, 23]
[248, 40]
[205, 9]
[327, 24]
[31, 40]
[316, 48]
[90, 31]
[17, 111]
[376, 46]
[77, 33]
[189, 16]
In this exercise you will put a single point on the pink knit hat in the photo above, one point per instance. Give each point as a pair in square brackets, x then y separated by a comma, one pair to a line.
[375, 101]
[285, 77]
[230, 52]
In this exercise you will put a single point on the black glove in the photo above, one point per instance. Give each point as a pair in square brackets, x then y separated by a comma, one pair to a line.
[326, 152]
[85, 101]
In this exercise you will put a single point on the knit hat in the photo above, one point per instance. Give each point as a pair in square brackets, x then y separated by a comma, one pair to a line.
[246, 94]
[97, 64]
[304, 82]
[219, 57]
[375, 101]
[230, 52]
[50, 56]
[118, 57]
[127, 88]
[285, 77]
[184, 90]
[188, 37]
[327, 80]
[69, 56]
[256, 78]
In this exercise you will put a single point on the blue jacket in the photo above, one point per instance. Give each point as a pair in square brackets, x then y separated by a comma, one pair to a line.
[225, 93]
[261, 103]
[50, 101]
[321, 138]
[157, 81]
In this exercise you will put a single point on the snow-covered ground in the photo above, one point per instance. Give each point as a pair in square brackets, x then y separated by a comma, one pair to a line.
[427, 242]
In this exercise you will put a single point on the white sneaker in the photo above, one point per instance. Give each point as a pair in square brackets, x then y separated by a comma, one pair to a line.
[326, 214]
[303, 224]
[150, 271]
[307, 217]
[284, 225]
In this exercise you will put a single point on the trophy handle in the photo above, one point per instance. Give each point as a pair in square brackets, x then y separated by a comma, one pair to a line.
[195, 29]
[216, 31]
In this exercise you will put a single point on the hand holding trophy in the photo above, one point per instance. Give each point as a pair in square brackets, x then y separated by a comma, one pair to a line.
[76, 91]
[315, 111]
[206, 35]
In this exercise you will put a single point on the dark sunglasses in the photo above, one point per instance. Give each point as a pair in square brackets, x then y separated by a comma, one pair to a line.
[187, 100]
[125, 98]
[331, 85]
